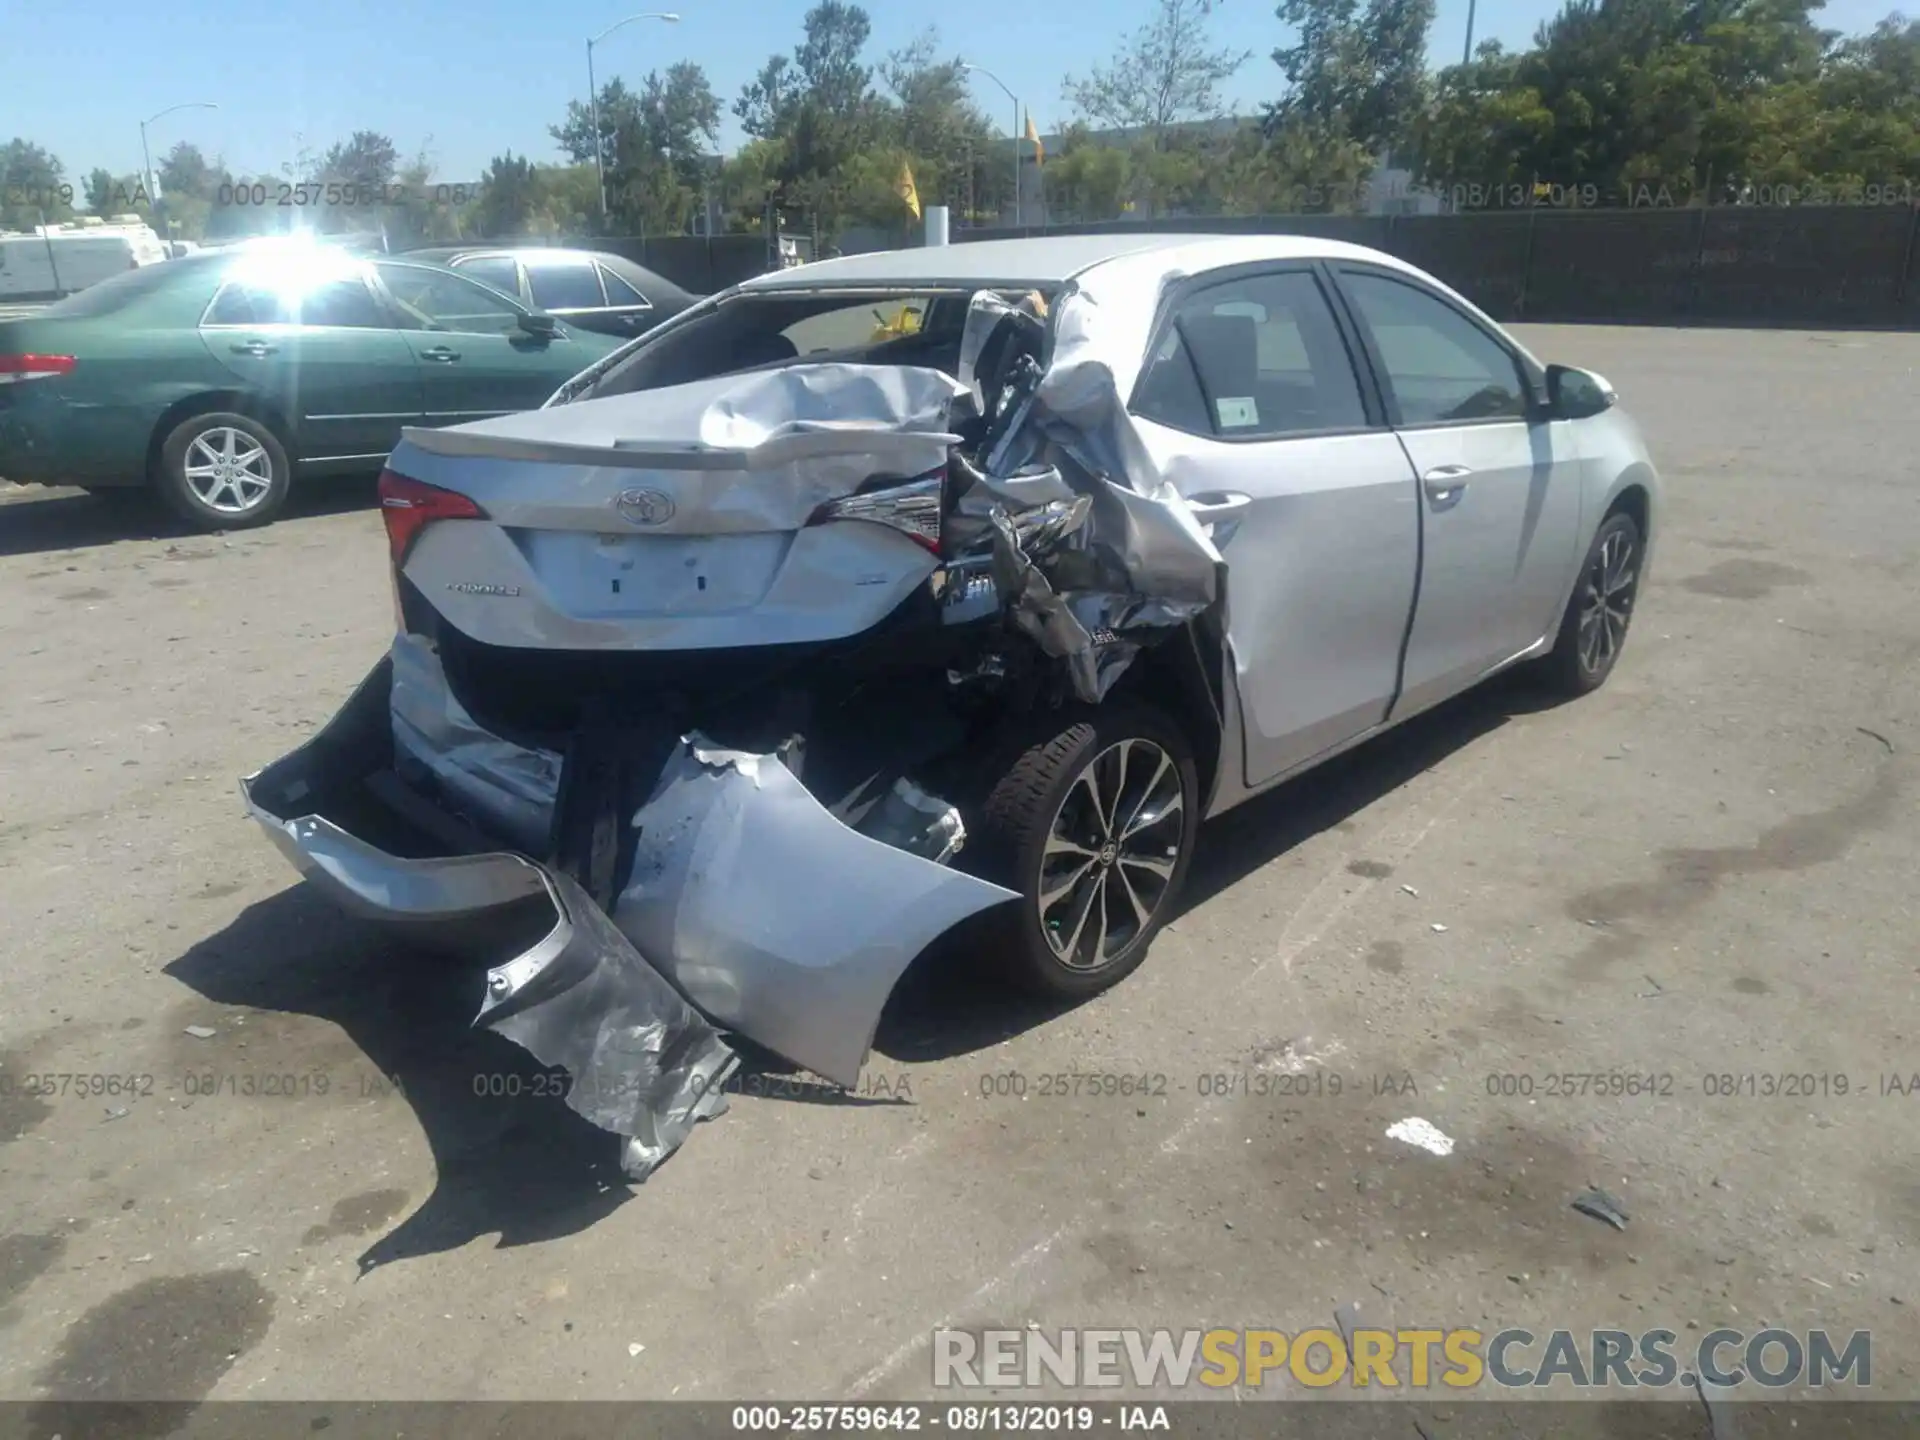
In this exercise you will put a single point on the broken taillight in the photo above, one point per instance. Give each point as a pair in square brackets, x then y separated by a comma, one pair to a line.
[912, 508]
[409, 506]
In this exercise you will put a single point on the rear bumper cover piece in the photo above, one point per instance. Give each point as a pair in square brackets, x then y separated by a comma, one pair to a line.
[749, 908]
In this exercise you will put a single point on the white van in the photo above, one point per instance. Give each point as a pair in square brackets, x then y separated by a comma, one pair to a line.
[56, 260]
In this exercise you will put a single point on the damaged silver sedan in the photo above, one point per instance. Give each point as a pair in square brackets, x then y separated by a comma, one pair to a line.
[879, 594]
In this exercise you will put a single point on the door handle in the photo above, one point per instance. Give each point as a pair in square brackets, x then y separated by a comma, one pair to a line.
[255, 348]
[1217, 504]
[1219, 512]
[440, 355]
[1443, 482]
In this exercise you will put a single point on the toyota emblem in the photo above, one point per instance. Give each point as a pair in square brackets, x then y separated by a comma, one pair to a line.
[645, 507]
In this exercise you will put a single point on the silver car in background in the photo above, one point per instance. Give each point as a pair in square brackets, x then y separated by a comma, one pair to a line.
[877, 594]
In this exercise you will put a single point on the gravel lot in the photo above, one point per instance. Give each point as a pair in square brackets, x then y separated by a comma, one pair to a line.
[1707, 868]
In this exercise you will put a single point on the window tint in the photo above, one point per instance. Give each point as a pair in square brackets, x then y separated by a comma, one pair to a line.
[1169, 391]
[1440, 365]
[573, 286]
[1265, 358]
[439, 300]
[499, 271]
[333, 302]
[619, 292]
[341, 302]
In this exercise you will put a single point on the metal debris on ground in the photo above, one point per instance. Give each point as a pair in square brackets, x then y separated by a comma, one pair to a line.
[1347, 1317]
[202, 1032]
[1601, 1206]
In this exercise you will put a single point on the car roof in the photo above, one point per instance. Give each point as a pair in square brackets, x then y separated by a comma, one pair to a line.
[1052, 259]
[534, 255]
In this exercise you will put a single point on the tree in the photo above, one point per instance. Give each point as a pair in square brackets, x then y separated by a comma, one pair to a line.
[367, 160]
[618, 106]
[1354, 74]
[956, 156]
[656, 144]
[185, 171]
[510, 196]
[1683, 99]
[822, 110]
[32, 183]
[1163, 74]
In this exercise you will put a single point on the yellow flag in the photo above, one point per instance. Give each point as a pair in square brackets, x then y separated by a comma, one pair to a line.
[904, 188]
[1039, 150]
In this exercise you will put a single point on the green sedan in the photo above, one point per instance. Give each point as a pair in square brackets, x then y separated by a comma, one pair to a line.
[217, 378]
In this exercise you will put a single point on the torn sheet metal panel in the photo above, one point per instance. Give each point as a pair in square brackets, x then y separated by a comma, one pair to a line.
[503, 787]
[909, 819]
[641, 1062]
[774, 918]
[801, 427]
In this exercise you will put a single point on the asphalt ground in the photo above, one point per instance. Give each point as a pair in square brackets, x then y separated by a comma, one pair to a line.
[1702, 876]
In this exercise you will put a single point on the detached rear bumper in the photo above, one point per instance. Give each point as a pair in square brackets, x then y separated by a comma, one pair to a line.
[748, 907]
[563, 982]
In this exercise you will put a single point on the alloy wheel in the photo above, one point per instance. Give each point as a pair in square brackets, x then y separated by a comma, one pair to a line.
[1111, 853]
[1606, 605]
[228, 470]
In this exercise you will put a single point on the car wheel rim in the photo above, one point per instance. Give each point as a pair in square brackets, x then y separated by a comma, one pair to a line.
[1110, 853]
[228, 470]
[1606, 601]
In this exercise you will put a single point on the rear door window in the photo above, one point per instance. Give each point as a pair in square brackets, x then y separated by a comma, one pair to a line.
[502, 272]
[619, 292]
[1255, 357]
[571, 285]
[342, 303]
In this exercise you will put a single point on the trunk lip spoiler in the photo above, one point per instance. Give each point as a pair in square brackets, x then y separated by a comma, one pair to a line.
[639, 454]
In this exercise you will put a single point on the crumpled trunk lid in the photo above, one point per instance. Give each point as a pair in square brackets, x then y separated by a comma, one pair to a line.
[680, 518]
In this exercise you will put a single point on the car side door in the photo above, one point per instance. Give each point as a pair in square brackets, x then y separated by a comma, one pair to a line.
[324, 351]
[1255, 410]
[1499, 481]
[476, 360]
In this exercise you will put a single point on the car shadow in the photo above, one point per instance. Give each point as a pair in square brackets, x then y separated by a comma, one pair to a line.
[53, 520]
[510, 1158]
[950, 1002]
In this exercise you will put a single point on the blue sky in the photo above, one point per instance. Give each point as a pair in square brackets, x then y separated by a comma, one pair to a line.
[469, 80]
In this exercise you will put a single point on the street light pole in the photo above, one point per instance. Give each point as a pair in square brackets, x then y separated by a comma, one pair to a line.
[982, 70]
[1466, 56]
[146, 160]
[593, 97]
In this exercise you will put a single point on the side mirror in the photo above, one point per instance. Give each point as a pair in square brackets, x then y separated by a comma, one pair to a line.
[538, 322]
[1575, 394]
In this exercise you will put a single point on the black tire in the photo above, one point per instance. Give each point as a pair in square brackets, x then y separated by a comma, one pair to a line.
[1582, 656]
[255, 484]
[1042, 786]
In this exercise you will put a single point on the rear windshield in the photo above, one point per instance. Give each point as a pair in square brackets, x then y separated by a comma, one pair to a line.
[116, 294]
[749, 330]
